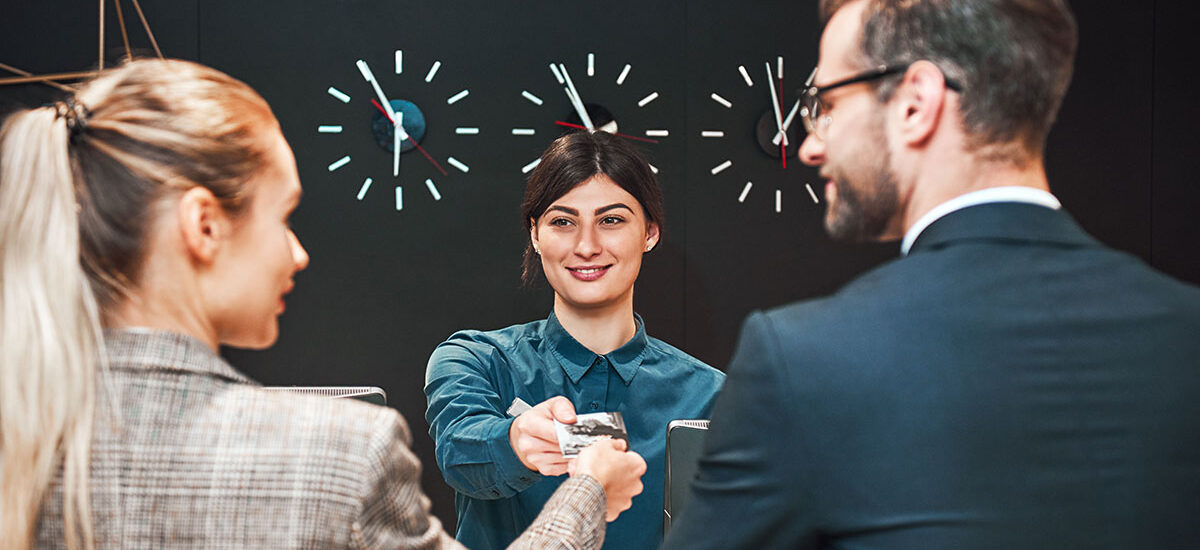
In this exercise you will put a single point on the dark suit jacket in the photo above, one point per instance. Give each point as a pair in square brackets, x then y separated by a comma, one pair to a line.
[1010, 384]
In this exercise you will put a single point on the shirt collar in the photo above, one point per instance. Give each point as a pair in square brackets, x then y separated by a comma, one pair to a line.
[1013, 193]
[576, 360]
[144, 348]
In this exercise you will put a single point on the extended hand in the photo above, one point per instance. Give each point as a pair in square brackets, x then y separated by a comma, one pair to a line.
[533, 438]
[618, 470]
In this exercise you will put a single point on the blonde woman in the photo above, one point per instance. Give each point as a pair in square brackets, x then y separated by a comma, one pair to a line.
[155, 204]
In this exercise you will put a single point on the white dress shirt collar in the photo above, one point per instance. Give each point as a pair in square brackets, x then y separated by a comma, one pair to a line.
[1014, 193]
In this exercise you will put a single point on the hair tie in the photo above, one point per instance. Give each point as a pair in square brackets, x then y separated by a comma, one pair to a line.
[76, 114]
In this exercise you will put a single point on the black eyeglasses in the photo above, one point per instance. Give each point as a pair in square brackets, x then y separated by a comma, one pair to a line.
[813, 110]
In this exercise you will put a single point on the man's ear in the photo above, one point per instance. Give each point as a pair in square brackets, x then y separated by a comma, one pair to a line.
[920, 102]
[203, 223]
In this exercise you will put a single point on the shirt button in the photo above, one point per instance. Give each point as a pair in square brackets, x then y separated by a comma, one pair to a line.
[595, 405]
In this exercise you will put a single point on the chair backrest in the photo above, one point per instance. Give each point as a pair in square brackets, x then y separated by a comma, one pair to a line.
[370, 394]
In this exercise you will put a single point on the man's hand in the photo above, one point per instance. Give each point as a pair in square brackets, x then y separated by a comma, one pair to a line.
[618, 470]
[533, 438]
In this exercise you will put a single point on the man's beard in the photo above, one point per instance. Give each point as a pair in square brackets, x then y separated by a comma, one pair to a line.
[862, 213]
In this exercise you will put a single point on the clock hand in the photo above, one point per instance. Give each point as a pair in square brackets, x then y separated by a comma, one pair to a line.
[774, 100]
[370, 78]
[787, 122]
[386, 106]
[778, 116]
[577, 101]
[626, 136]
[400, 135]
[404, 135]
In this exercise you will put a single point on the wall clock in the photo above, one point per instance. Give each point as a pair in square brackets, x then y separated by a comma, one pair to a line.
[754, 108]
[400, 104]
[594, 94]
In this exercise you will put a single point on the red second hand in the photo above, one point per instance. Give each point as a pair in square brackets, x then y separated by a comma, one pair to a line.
[626, 136]
[414, 142]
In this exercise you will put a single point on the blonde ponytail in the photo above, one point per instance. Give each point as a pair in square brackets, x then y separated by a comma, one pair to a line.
[78, 190]
[49, 333]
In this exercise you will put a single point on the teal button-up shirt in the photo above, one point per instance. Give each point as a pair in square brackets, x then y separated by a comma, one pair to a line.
[474, 376]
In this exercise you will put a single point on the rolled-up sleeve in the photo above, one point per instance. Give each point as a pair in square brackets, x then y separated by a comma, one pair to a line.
[468, 424]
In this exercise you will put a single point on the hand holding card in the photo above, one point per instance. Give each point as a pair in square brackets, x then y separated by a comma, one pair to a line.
[533, 438]
[587, 429]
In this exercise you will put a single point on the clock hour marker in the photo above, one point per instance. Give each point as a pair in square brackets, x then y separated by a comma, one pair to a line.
[529, 167]
[339, 163]
[721, 167]
[811, 193]
[779, 67]
[455, 163]
[399, 198]
[338, 94]
[456, 97]
[624, 73]
[463, 131]
[433, 190]
[433, 71]
[712, 134]
[778, 201]
[557, 75]
[721, 100]
[362, 191]
[745, 191]
[645, 100]
[532, 98]
[745, 75]
[652, 168]
[329, 129]
[522, 131]
[591, 64]
[657, 133]
[399, 61]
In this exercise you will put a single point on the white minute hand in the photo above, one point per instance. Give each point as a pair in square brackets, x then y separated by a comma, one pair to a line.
[775, 104]
[576, 101]
[387, 105]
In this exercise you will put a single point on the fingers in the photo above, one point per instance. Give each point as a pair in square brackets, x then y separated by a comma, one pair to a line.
[561, 409]
[618, 471]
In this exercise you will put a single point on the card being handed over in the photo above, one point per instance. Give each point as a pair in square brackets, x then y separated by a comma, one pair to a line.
[573, 438]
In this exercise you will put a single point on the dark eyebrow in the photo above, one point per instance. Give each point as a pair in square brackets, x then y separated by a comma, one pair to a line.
[604, 209]
[570, 211]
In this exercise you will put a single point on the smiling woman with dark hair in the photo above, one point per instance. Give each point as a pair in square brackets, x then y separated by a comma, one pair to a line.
[593, 208]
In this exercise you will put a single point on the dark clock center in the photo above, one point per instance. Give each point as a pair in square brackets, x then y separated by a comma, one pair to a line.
[412, 119]
[765, 132]
[602, 118]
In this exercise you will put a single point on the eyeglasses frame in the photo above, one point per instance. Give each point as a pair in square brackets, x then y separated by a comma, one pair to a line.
[815, 92]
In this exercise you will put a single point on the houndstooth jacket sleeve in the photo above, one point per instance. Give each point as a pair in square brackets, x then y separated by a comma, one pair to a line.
[187, 452]
[396, 513]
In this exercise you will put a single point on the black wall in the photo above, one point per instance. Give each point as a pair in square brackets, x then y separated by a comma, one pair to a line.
[385, 287]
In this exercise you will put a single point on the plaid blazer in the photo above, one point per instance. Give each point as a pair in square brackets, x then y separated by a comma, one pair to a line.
[188, 453]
